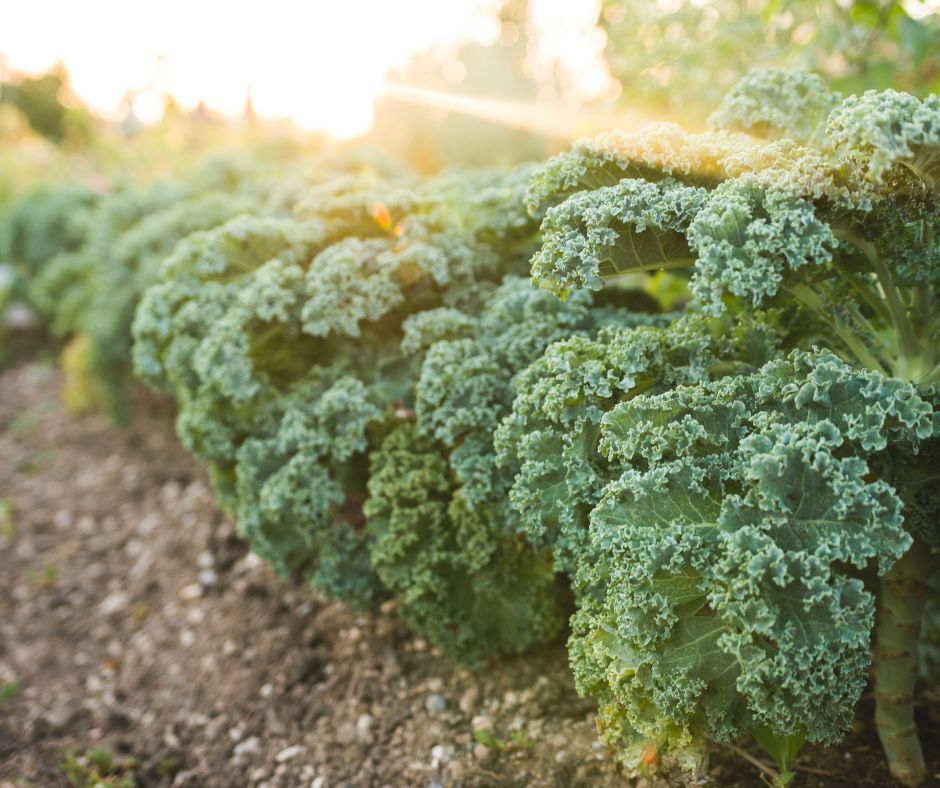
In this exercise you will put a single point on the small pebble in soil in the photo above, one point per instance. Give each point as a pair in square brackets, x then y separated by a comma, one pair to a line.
[289, 752]
[441, 753]
[249, 746]
[482, 753]
[469, 700]
[318, 782]
[435, 704]
[191, 592]
[482, 722]
[207, 578]
[364, 728]
[346, 733]
[114, 602]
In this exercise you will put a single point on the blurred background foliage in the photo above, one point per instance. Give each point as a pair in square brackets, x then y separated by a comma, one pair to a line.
[667, 60]
[677, 58]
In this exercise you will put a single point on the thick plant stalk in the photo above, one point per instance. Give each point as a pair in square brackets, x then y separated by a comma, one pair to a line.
[900, 608]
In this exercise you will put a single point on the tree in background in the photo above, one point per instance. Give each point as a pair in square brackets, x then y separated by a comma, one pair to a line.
[679, 57]
[49, 106]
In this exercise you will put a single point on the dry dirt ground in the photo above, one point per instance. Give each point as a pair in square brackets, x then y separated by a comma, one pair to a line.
[141, 644]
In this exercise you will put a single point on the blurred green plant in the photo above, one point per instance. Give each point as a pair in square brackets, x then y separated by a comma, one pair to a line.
[518, 740]
[10, 690]
[50, 107]
[98, 769]
[7, 523]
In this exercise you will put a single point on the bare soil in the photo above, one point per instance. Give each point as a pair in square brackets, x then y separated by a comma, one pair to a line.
[133, 620]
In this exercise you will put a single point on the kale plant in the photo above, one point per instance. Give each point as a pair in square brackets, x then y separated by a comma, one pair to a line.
[729, 524]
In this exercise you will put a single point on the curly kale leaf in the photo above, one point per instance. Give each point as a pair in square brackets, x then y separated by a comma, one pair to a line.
[43, 223]
[549, 442]
[460, 579]
[745, 242]
[810, 227]
[447, 541]
[630, 227]
[262, 322]
[777, 103]
[465, 385]
[887, 128]
[291, 498]
[658, 151]
[731, 549]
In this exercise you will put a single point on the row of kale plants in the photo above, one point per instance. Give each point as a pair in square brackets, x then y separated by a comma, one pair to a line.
[681, 389]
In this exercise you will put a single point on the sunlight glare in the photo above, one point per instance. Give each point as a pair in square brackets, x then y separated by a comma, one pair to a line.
[320, 63]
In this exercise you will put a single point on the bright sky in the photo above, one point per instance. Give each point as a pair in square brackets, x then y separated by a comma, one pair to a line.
[320, 62]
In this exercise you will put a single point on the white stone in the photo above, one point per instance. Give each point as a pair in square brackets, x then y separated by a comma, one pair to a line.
[482, 753]
[190, 592]
[435, 704]
[469, 700]
[441, 753]
[207, 578]
[364, 728]
[289, 752]
[249, 746]
[114, 603]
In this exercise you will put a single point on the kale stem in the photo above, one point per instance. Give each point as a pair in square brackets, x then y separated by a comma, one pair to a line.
[900, 608]
[907, 342]
[808, 298]
[862, 288]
